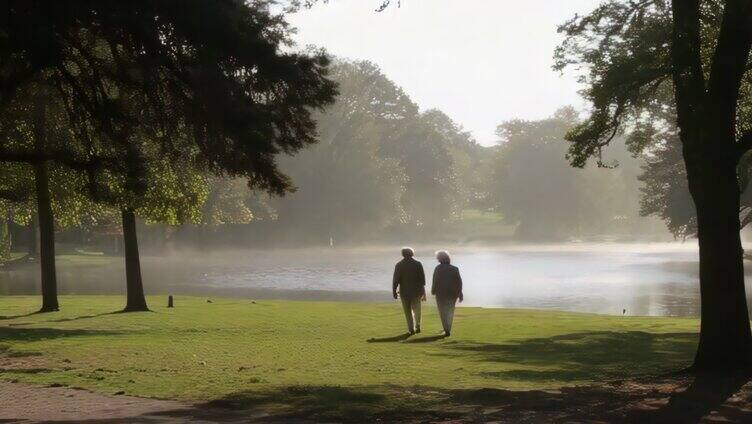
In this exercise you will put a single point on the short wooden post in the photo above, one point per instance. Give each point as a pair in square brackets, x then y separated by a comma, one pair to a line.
[169, 302]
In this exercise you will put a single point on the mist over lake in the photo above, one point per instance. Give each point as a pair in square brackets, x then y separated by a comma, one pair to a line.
[657, 279]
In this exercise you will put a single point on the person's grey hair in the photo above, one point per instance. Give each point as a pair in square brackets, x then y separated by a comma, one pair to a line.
[408, 252]
[443, 256]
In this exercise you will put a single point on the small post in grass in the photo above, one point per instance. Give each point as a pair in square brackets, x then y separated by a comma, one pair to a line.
[169, 302]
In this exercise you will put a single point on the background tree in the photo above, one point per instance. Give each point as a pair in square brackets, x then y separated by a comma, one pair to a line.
[536, 190]
[346, 185]
[34, 132]
[545, 207]
[381, 163]
[432, 194]
[173, 195]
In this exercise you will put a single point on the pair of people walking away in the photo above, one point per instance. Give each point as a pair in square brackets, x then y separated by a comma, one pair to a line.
[409, 284]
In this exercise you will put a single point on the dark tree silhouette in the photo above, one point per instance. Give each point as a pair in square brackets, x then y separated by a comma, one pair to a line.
[32, 133]
[203, 79]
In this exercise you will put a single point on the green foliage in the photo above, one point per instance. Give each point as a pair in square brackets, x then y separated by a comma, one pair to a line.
[139, 102]
[623, 49]
[344, 183]
[229, 201]
[380, 162]
[535, 189]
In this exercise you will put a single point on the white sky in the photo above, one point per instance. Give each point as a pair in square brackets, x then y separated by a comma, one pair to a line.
[480, 61]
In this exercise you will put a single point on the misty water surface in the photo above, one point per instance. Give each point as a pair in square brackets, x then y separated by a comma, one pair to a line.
[644, 279]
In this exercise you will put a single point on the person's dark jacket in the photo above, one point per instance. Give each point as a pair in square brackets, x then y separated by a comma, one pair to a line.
[409, 278]
[447, 283]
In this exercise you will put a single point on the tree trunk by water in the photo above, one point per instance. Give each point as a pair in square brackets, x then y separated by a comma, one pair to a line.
[706, 116]
[46, 238]
[725, 338]
[136, 301]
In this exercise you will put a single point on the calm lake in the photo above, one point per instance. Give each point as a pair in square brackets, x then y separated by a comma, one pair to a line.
[643, 279]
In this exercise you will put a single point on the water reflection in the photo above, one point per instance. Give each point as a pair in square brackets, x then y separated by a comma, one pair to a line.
[655, 279]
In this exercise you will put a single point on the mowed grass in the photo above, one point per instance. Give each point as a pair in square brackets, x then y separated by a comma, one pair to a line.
[318, 354]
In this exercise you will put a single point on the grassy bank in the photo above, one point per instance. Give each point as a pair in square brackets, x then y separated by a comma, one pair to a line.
[317, 357]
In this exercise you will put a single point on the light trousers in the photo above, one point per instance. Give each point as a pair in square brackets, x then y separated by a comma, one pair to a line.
[446, 311]
[412, 312]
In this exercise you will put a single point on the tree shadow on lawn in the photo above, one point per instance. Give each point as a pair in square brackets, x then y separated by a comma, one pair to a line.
[87, 316]
[9, 317]
[309, 401]
[667, 399]
[101, 314]
[582, 357]
[340, 404]
[18, 334]
[670, 399]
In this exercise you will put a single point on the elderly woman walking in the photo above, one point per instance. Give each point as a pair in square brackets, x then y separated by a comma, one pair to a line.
[447, 287]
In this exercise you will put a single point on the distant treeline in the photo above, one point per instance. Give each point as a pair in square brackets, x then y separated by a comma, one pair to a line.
[381, 170]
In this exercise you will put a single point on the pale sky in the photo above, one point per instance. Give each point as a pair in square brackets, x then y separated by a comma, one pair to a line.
[480, 61]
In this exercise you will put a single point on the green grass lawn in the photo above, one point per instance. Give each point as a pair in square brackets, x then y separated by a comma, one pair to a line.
[316, 357]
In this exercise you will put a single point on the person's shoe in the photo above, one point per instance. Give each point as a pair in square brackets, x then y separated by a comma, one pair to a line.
[447, 334]
[417, 330]
[411, 332]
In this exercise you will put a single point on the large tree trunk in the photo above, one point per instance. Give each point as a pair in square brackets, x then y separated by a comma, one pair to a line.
[134, 285]
[707, 118]
[725, 338]
[46, 238]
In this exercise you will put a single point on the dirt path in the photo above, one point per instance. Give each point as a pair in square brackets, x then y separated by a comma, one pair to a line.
[672, 399]
[31, 404]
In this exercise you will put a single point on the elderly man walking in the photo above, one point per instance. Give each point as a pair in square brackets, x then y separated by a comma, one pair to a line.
[409, 284]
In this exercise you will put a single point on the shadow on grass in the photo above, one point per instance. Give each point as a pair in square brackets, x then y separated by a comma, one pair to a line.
[8, 317]
[582, 356]
[25, 370]
[391, 339]
[706, 394]
[427, 339]
[16, 334]
[655, 400]
[86, 316]
[66, 319]
[319, 402]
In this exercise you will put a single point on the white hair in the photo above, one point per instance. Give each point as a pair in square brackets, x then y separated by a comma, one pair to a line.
[408, 252]
[443, 256]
